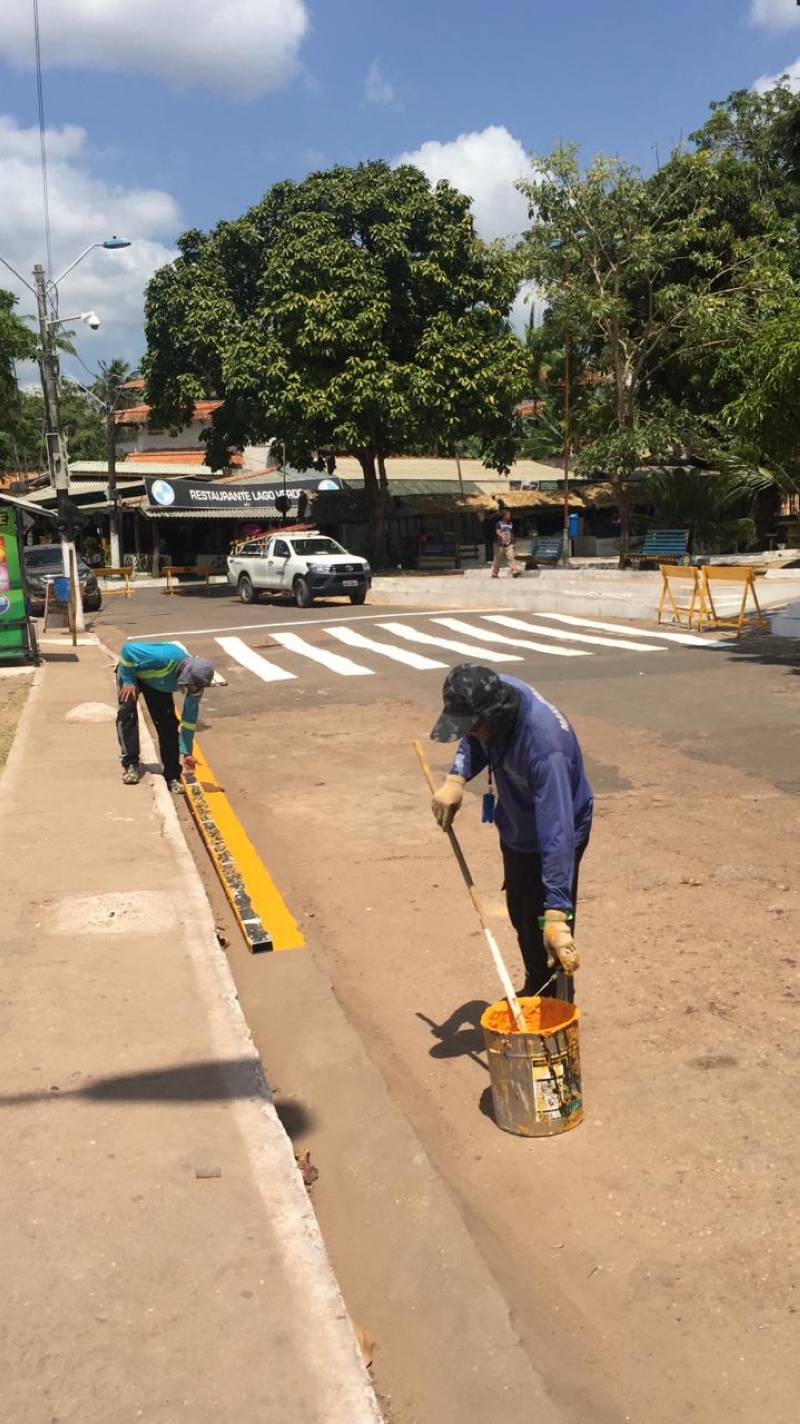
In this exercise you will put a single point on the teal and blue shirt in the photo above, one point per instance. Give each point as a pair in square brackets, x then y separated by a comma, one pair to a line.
[158, 665]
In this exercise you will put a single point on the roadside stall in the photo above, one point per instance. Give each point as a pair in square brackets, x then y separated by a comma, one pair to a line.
[195, 522]
[17, 630]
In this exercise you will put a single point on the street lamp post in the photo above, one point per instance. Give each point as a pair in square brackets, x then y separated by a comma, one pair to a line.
[56, 451]
[57, 464]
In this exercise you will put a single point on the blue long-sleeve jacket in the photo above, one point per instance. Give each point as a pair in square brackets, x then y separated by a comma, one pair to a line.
[544, 799]
[157, 665]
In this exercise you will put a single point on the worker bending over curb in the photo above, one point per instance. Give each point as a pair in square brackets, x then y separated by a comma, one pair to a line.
[157, 670]
[543, 814]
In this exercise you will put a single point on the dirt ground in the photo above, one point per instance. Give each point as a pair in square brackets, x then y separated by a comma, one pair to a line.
[13, 694]
[646, 1257]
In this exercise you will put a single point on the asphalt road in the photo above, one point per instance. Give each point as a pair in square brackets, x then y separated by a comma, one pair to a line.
[641, 1257]
[727, 702]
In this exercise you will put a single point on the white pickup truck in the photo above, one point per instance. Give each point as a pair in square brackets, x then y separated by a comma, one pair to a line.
[306, 566]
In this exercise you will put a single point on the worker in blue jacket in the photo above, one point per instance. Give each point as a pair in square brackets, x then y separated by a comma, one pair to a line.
[157, 670]
[544, 810]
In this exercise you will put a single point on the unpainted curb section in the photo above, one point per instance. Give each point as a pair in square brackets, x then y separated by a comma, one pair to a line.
[322, 1324]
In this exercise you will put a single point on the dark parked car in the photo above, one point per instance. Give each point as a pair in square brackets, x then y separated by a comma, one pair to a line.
[44, 563]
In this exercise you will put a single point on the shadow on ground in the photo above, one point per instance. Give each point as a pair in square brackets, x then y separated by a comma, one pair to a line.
[460, 1034]
[767, 650]
[187, 1083]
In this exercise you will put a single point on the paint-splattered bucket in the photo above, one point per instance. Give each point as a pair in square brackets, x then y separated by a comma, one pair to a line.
[535, 1076]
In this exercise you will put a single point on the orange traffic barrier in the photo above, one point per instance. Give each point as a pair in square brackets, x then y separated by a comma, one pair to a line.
[715, 575]
[674, 578]
[172, 569]
[126, 574]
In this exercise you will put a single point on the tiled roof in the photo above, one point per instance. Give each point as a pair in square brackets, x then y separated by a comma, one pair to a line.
[165, 457]
[140, 414]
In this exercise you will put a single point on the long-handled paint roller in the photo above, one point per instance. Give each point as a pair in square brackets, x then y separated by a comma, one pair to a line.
[494, 948]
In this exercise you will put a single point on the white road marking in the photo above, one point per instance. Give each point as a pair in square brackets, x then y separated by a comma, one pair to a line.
[402, 630]
[344, 666]
[398, 655]
[301, 623]
[627, 644]
[485, 636]
[249, 658]
[217, 680]
[689, 640]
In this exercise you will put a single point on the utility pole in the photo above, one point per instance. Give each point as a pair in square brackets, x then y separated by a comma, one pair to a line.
[565, 544]
[56, 460]
[113, 497]
[56, 449]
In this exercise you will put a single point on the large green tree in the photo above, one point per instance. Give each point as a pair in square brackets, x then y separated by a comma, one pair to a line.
[644, 278]
[356, 311]
[17, 343]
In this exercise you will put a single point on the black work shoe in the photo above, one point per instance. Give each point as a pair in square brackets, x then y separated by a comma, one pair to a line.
[132, 775]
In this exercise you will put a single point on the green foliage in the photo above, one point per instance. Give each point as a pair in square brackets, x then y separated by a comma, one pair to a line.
[764, 417]
[762, 132]
[705, 504]
[647, 279]
[17, 343]
[356, 311]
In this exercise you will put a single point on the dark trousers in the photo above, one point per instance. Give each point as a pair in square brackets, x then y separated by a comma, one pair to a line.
[525, 900]
[162, 712]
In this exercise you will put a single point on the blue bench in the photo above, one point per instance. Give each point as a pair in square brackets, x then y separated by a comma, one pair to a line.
[662, 546]
[544, 550]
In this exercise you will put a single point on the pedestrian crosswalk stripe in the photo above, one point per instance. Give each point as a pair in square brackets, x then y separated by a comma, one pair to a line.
[689, 640]
[629, 645]
[487, 637]
[249, 658]
[398, 655]
[334, 661]
[412, 635]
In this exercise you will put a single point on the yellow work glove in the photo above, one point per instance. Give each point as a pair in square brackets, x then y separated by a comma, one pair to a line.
[558, 941]
[447, 800]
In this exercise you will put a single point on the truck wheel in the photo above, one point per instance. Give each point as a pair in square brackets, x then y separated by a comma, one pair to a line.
[360, 596]
[303, 596]
[246, 591]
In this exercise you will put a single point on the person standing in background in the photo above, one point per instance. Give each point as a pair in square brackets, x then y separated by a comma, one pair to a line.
[504, 545]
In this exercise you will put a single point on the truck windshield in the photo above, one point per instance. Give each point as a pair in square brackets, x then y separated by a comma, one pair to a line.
[317, 546]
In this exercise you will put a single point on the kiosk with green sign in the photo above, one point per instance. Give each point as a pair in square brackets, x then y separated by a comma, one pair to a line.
[17, 636]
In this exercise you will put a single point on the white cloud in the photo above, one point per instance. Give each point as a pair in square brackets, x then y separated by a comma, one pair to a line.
[526, 301]
[775, 14]
[243, 47]
[83, 209]
[377, 88]
[484, 165]
[768, 81]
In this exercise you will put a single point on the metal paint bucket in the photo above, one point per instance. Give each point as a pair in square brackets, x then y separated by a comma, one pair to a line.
[535, 1076]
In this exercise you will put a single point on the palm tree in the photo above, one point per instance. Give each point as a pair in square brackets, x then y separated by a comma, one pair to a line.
[113, 392]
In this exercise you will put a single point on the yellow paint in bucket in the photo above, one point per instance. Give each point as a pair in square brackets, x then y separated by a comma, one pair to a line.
[535, 1076]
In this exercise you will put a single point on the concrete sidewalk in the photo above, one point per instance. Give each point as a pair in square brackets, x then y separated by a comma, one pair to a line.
[586, 591]
[161, 1257]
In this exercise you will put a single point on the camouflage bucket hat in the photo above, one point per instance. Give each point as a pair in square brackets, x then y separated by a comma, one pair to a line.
[470, 691]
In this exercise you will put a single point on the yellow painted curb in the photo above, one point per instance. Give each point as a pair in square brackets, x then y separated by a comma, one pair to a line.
[264, 918]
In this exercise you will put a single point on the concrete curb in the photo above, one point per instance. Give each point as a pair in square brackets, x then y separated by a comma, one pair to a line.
[325, 1325]
[591, 593]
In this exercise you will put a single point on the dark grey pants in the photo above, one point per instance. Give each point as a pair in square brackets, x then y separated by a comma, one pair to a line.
[525, 900]
[161, 707]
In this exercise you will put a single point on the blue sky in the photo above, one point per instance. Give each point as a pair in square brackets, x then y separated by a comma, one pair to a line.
[174, 114]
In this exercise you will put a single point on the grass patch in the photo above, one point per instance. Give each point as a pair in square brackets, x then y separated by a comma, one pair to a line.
[13, 696]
